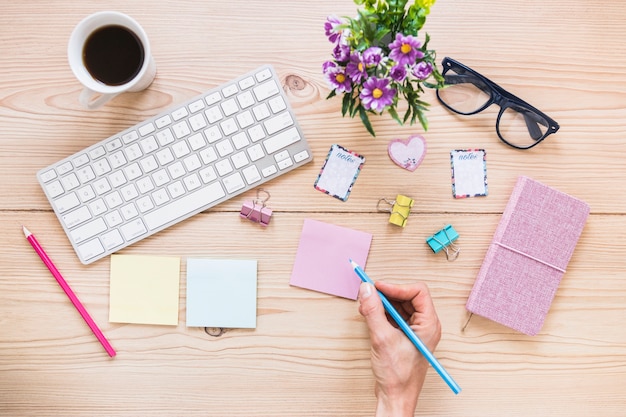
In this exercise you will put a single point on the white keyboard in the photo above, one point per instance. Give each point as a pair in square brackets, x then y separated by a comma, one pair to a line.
[176, 164]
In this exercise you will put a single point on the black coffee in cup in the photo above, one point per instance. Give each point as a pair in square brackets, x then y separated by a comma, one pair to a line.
[113, 55]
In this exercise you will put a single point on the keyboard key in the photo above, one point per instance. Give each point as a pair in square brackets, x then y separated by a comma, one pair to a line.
[270, 170]
[281, 140]
[48, 175]
[266, 90]
[55, 189]
[67, 202]
[146, 129]
[133, 229]
[80, 160]
[189, 203]
[229, 107]
[263, 75]
[197, 122]
[179, 113]
[112, 239]
[234, 182]
[240, 160]
[251, 174]
[88, 230]
[97, 152]
[130, 137]
[229, 90]
[301, 156]
[163, 121]
[76, 217]
[277, 104]
[181, 129]
[278, 123]
[246, 83]
[70, 182]
[285, 163]
[224, 167]
[213, 98]
[113, 218]
[64, 168]
[90, 249]
[245, 100]
[196, 106]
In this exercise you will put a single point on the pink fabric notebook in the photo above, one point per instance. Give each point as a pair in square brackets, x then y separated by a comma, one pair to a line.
[528, 256]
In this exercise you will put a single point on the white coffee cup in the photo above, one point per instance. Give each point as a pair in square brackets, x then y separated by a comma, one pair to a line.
[109, 53]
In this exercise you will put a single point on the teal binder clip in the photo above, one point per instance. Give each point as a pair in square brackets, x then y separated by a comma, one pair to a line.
[444, 240]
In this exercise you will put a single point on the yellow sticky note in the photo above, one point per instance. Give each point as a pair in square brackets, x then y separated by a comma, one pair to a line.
[144, 289]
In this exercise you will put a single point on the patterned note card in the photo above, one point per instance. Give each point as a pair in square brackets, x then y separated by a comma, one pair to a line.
[339, 172]
[469, 173]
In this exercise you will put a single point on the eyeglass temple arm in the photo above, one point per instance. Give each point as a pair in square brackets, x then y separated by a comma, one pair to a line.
[532, 122]
[454, 79]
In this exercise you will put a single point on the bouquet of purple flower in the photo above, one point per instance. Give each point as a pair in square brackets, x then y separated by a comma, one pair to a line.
[377, 58]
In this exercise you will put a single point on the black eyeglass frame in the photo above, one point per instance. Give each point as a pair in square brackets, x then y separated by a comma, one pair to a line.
[503, 99]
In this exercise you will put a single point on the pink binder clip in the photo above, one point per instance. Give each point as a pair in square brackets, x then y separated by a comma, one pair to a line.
[256, 210]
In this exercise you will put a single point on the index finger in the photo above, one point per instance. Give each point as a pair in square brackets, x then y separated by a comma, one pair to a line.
[417, 294]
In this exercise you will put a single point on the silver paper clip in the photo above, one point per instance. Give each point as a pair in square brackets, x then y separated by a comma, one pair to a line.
[256, 210]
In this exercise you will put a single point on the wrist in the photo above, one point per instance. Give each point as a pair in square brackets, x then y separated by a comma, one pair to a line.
[396, 406]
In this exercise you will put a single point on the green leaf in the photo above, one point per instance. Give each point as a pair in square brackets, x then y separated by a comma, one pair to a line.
[332, 94]
[345, 104]
[366, 120]
[394, 114]
[407, 114]
[423, 121]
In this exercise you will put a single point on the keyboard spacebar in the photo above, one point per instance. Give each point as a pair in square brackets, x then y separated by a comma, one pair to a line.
[184, 205]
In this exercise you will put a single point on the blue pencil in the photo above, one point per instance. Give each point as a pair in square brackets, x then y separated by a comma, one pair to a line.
[409, 332]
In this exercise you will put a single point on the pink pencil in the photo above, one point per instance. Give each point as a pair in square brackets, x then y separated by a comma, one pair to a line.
[55, 272]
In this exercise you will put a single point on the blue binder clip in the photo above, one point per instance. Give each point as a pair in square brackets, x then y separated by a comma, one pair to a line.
[444, 240]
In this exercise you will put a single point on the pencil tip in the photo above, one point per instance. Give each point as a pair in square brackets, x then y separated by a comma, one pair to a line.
[26, 231]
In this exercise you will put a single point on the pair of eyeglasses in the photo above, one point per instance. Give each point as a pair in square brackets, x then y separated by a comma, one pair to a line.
[467, 92]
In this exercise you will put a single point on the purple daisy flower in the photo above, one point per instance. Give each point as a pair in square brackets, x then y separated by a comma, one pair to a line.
[405, 50]
[326, 65]
[398, 73]
[338, 79]
[422, 70]
[341, 52]
[356, 68]
[376, 94]
[330, 28]
[372, 56]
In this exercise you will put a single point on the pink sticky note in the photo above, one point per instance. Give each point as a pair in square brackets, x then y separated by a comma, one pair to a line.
[322, 260]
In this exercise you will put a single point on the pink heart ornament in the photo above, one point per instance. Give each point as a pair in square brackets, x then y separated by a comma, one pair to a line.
[407, 153]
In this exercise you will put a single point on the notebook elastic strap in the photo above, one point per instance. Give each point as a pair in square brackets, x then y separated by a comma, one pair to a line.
[529, 256]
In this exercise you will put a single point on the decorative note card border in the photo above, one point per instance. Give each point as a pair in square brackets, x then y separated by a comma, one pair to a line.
[469, 172]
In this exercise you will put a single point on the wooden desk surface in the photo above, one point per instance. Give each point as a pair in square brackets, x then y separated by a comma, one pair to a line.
[309, 354]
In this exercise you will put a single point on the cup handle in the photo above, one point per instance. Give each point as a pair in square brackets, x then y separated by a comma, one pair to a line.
[89, 99]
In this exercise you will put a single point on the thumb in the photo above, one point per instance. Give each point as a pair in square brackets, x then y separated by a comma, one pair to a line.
[371, 307]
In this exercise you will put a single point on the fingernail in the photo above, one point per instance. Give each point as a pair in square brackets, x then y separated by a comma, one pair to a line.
[365, 290]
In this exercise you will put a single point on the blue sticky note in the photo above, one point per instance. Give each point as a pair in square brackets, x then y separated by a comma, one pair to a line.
[221, 293]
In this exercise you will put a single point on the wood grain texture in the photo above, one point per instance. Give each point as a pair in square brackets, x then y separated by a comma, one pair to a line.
[309, 354]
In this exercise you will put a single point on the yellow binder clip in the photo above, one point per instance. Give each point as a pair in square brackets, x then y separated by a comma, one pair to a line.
[399, 209]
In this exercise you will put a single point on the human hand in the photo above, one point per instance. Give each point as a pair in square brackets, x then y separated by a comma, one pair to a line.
[399, 368]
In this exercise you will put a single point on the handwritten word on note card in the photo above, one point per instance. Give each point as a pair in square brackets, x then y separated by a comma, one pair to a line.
[221, 293]
[469, 173]
[144, 289]
[322, 258]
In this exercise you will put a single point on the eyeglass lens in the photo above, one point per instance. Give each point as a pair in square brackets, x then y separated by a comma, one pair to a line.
[466, 93]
